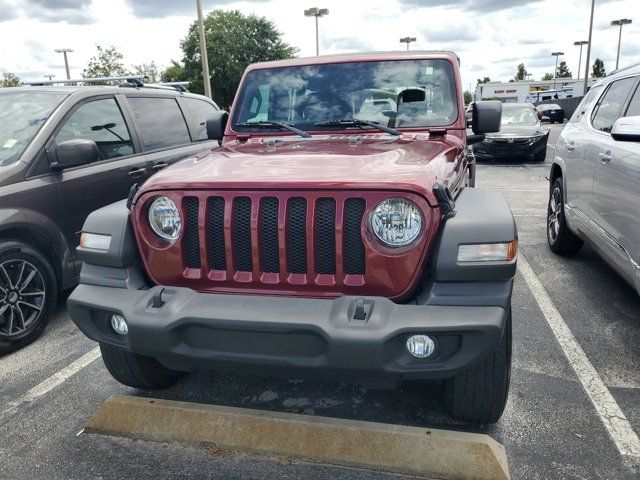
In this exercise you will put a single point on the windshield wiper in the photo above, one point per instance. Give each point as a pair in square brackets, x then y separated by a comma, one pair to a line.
[357, 123]
[279, 125]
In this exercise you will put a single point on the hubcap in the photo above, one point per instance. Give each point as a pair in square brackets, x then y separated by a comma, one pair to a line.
[554, 213]
[22, 297]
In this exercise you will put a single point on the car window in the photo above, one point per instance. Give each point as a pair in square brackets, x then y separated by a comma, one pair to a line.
[102, 122]
[611, 104]
[634, 105]
[589, 98]
[160, 122]
[200, 111]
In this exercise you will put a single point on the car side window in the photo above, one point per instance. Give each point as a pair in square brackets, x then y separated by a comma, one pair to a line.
[200, 111]
[589, 98]
[160, 122]
[611, 103]
[102, 122]
[634, 105]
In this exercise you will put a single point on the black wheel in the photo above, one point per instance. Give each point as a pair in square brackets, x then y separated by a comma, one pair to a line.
[560, 238]
[479, 394]
[136, 370]
[540, 156]
[28, 294]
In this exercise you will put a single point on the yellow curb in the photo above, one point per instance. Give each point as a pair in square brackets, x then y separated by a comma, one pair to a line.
[429, 453]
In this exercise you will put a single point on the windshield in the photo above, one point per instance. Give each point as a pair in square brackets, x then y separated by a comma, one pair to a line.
[518, 116]
[21, 115]
[396, 94]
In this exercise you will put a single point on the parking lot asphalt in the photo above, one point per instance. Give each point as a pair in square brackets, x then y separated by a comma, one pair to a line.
[551, 429]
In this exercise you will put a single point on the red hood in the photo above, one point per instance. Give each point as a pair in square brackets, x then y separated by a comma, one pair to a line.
[411, 163]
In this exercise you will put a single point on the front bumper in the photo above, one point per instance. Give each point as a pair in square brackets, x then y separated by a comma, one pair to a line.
[194, 331]
[509, 150]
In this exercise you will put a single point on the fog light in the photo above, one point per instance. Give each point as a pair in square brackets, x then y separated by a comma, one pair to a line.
[119, 324]
[420, 346]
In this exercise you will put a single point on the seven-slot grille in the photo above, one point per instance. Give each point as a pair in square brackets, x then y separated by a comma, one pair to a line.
[275, 235]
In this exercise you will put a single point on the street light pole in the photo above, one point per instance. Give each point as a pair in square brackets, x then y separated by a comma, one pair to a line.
[316, 12]
[407, 40]
[621, 22]
[580, 43]
[586, 67]
[203, 52]
[555, 72]
[66, 60]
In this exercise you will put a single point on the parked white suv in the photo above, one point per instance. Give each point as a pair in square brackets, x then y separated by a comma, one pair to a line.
[595, 176]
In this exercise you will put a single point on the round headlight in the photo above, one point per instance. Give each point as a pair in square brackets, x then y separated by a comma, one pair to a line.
[396, 222]
[164, 218]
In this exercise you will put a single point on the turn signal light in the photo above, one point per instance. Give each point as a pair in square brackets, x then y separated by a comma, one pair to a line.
[488, 252]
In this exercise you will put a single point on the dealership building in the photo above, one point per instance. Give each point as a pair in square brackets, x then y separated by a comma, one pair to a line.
[531, 91]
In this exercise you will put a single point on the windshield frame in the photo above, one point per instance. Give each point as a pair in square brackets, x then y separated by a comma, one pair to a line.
[61, 97]
[456, 97]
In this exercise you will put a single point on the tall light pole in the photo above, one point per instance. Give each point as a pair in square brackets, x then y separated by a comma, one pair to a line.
[64, 51]
[586, 68]
[203, 52]
[621, 22]
[407, 40]
[580, 44]
[316, 12]
[555, 71]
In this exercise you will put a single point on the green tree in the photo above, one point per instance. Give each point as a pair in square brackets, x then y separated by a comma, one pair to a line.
[598, 70]
[521, 73]
[468, 97]
[563, 70]
[484, 80]
[174, 73]
[106, 63]
[233, 41]
[547, 76]
[10, 80]
[150, 71]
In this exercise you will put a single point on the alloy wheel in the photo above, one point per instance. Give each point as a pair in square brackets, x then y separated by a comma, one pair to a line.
[554, 214]
[22, 297]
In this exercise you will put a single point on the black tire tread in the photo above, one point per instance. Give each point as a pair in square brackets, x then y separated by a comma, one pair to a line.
[136, 370]
[566, 243]
[479, 394]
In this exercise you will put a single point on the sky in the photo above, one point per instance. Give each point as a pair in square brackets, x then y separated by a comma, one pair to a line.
[491, 37]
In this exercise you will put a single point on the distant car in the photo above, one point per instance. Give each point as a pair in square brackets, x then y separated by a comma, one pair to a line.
[552, 111]
[66, 151]
[468, 114]
[594, 194]
[521, 136]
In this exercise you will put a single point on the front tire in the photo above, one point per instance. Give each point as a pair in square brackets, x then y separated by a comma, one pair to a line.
[479, 394]
[561, 240]
[137, 371]
[28, 294]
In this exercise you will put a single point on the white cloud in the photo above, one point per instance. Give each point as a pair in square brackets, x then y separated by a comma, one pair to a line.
[491, 36]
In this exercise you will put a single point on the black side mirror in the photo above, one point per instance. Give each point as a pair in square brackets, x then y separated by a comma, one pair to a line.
[73, 153]
[487, 115]
[216, 125]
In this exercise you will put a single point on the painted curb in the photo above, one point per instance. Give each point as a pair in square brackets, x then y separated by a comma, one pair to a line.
[429, 453]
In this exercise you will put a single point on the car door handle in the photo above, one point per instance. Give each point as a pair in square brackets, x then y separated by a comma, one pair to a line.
[137, 172]
[605, 157]
[159, 166]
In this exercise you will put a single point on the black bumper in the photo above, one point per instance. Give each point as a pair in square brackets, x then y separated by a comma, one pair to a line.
[193, 331]
[504, 150]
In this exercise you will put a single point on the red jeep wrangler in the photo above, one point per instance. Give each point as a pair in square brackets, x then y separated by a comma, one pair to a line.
[334, 233]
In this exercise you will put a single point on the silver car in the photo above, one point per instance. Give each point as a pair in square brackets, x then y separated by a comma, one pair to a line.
[595, 176]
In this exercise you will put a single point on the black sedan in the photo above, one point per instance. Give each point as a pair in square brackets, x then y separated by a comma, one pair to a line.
[552, 111]
[521, 136]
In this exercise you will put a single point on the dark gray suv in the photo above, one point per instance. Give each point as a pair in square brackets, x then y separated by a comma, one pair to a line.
[64, 152]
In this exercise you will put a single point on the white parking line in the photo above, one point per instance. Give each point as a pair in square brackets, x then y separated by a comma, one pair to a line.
[610, 413]
[52, 382]
[551, 147]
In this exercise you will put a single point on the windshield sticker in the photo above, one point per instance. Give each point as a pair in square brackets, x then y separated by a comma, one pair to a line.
[10, 143]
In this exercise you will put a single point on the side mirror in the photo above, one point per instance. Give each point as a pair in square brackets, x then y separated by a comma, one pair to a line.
[73, 153]
[626, 129]
[216, 125]
[486, 116]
